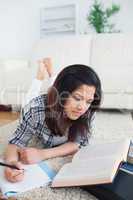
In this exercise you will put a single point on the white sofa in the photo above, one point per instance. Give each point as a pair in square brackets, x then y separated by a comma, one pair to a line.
[109, 54]
[112, 58]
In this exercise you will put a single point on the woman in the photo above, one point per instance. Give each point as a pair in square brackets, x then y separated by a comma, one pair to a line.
[60, 119]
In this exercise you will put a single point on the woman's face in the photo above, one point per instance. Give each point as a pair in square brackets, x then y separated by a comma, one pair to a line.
[79, 101]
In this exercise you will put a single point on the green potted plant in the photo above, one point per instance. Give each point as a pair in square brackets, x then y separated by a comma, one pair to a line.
[98, 17]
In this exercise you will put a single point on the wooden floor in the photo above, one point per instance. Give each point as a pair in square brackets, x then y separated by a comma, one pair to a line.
[7, 117]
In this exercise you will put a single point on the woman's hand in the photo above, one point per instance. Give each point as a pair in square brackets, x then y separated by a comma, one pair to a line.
[34, 155]
[14, 175]
[45, 66]
[30, 155]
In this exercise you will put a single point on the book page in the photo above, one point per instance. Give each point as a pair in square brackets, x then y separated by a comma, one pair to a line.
[97, 171]
[116, 149]
[35, 176]
[94, 164]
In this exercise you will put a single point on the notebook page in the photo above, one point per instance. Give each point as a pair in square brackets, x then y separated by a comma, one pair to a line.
[35, 176]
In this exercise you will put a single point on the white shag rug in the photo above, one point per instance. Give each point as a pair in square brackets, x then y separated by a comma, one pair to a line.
[108, 126]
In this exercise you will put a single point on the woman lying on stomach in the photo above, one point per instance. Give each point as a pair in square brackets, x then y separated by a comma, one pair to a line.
[60, 119]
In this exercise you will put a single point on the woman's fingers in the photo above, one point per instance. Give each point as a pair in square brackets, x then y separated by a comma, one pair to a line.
[19, 165]
[14, 175]
[18, 176]
[23, 155]
[30, 155]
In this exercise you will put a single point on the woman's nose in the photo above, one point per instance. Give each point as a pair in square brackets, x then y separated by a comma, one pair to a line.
[81, 106]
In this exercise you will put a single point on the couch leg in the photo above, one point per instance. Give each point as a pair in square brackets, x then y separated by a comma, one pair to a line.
[132, 114]
[5, 108]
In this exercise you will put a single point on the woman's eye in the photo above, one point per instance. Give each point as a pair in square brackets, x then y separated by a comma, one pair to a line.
[88, 102]
[76, 98]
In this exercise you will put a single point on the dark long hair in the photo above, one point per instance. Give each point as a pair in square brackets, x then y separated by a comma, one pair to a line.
[68, 80]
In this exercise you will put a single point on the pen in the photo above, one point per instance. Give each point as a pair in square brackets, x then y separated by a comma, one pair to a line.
[9, 165]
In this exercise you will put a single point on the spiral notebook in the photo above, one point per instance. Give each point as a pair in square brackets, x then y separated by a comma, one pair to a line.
[36, 175]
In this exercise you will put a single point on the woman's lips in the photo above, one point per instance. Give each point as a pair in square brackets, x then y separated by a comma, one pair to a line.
[77, 113]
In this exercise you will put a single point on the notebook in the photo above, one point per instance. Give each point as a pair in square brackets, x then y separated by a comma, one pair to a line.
[36, 175]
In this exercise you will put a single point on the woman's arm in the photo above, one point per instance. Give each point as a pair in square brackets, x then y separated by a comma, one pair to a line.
[11, 153]
[62, 150]
[34, 155]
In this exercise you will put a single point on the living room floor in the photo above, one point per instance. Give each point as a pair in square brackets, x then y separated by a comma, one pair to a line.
[108, 125]
[7, 117]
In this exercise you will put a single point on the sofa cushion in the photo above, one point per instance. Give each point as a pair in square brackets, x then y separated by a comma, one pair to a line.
[116, 79]
[112, 58]
[16, 78]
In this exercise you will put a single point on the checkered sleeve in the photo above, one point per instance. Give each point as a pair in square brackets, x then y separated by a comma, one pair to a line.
[26, 128]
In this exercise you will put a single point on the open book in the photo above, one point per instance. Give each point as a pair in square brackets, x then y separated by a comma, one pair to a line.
[93, 164]
[36, 175]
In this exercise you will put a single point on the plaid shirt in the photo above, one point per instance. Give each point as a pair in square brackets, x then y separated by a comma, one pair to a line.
[32, 123]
